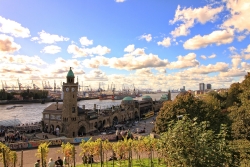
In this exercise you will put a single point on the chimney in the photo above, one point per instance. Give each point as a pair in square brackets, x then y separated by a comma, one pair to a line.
[83, 107]
[94, 106]
[57, 105]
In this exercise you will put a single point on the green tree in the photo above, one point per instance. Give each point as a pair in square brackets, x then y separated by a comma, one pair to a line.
[239, 113]
[205, 110]
[233, 95]
[189, 143]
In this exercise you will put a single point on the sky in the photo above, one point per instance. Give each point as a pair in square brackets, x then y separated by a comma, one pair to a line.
[145, 44]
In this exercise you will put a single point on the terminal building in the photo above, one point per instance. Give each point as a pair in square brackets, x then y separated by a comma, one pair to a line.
[70, 120]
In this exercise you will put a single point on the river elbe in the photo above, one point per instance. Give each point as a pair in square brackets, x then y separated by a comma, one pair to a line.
[33, 112]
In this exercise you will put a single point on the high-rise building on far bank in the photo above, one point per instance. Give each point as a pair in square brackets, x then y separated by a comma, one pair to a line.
[209, 86]
[201, 86]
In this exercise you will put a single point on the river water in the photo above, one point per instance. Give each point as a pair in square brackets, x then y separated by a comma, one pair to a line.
[33, 112]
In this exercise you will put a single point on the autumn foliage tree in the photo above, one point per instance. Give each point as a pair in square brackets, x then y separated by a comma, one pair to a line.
[187, 104]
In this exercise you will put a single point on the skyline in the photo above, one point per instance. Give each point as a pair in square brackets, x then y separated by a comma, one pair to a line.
[154, 44]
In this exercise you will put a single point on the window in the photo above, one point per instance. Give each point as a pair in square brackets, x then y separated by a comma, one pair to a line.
[73, 110]
[52, 116]
[58, 117]
[46, 116]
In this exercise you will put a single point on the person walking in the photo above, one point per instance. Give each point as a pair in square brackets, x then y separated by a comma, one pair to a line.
[59, 162]
[37, 164]
[51, 163]
[65, 162]
[117, 134]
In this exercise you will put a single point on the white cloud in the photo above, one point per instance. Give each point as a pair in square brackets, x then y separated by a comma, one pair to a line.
[138, 51]
[232, 49]
[47, 38]
[18, 69]
[119, 1]
[245, 66]
[218, 37]
[184, 62]
[212, 56]
[189, 16]
[165, 42]
[203, 57]
[52, 49]
[234, 72]
[129, 48]
[131, 62]
[85, 41]
[239, 13]
[96, 75]
[147, 37]
[7, 44]
[241, 37]
[13, 28]
[246, 53]
[143, 71]
[83, 52]
[210, 68]
[95, 62]
[247, 50]
[161, 69]
[22, 59]
[236, 60]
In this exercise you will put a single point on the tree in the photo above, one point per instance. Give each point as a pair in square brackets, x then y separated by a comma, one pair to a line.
[189, 143]
[8, 157]
[239, 113]
[69, 153]
[42, 152]
[187, 104]
[233, 95]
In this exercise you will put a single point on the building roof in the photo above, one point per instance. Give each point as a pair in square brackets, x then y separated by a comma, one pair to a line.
[127, 99]
[70, 73]
[53, 107]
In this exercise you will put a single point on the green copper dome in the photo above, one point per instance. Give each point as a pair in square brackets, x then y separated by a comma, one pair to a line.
[164, 97]
[146, 97]
[70, 73]
[127, 99]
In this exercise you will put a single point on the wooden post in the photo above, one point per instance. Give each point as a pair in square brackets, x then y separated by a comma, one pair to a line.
[22, 158]
[42, 156]
[74, 155]
[101, 154]
[4, 162]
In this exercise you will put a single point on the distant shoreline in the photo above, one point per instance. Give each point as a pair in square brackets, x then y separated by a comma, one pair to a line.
[6, 102]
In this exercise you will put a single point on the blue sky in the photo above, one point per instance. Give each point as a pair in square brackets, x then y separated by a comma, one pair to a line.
[155, 44]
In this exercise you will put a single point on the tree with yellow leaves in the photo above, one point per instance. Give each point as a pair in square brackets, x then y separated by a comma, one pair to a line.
[42, 152]
[69, 153]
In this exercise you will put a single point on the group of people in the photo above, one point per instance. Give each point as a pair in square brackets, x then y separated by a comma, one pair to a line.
[122, 133]
[87, 159]
[58, 163]
[14, 137]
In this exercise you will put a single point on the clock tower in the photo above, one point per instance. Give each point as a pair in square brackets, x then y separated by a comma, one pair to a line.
[70, 111]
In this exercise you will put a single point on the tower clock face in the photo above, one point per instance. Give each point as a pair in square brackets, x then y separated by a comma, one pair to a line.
[67, 89]
[73, 89]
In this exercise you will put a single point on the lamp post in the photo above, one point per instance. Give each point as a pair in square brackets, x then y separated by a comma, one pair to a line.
[15, 122]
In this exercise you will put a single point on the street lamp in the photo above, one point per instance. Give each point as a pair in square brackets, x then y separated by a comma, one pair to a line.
[15, 122]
